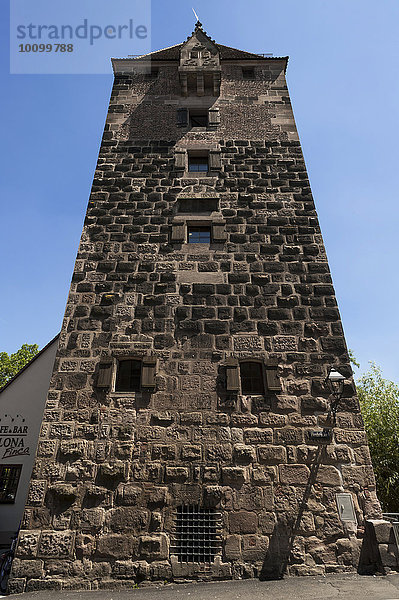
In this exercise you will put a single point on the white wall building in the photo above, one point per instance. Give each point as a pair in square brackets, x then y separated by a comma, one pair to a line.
[22, 402]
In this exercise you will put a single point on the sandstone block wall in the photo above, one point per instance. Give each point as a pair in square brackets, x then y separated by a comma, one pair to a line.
[111, 467]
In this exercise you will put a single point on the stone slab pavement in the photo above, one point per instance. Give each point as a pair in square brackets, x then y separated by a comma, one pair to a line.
[331, 587]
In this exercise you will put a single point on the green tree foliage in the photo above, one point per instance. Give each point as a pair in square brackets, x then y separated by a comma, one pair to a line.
[379, 402]
[11, 364]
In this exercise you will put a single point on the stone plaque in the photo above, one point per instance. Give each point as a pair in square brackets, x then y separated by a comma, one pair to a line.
[346, 509]
[284, 343]
[248, 342]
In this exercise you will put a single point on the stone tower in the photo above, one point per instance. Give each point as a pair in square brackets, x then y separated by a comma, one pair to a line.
[187, 432]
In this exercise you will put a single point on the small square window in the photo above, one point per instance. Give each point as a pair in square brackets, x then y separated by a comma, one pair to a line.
[251, 374]
[128, 376]
[248, 73]
[198, 118]
[9, 478]
[199, 235]
[194, 54]
[198, 164]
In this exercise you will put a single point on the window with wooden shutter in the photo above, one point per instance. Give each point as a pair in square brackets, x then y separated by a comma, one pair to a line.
[272, 379]
[232, 375]
[148, 372]
[251, 374]
[104, 378]
[128, 376]
[218, 232]
[178, 232]
[213, 117]
[182, 117]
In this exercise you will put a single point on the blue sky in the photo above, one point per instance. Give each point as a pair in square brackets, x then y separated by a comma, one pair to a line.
[344, 86]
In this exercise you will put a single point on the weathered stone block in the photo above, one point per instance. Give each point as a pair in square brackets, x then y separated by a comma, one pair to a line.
[92, 518]
[272, 454]
[263, 475]
[190, 452]
[117, 546]
[128, 518]
[37, 492]
[128, 494]
[294, 474]
[267, 522]
[154, 547]
[289, 435]
[254, 547]
[27, 568]
[243, 522]
[232, 547]
[176, 473]
[234, 476]
[57, 544]
[112, 471]
[258, 436]
[327, 475]
[74, 448]
[218, 452]
[243, 453]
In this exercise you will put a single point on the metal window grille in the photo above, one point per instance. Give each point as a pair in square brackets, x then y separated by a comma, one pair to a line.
[9, 478]
[196, 534]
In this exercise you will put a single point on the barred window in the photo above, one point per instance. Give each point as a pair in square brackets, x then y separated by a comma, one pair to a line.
[9, 478]
[196, 534]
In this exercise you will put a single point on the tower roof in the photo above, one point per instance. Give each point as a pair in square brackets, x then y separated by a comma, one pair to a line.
[225, 52]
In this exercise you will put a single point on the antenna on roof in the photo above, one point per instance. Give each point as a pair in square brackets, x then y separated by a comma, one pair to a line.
[195, 15]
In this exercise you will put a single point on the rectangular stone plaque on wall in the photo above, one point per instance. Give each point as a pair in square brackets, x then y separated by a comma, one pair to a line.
[346, 509]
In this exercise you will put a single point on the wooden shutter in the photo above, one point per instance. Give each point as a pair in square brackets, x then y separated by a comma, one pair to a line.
[272, 379]
[182, 117]
[180, 160]
[218, 232]
[213, 117]
[215, 161]
[178, 232]
[232, 375]
[148, 372]
[104, 378]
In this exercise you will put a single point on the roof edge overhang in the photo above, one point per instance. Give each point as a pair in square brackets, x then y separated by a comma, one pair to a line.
[123, 65]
